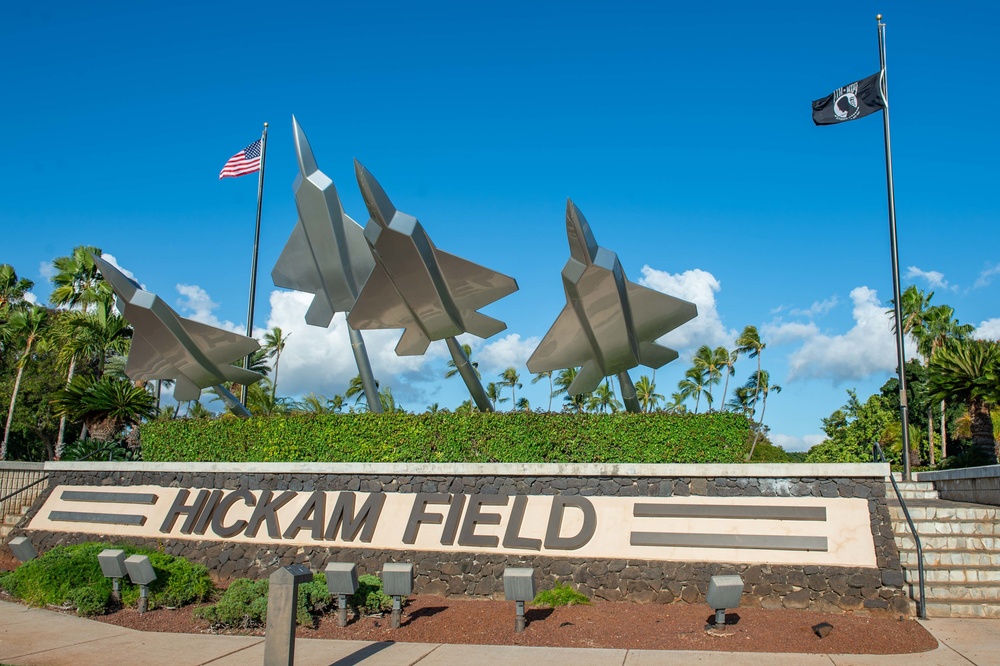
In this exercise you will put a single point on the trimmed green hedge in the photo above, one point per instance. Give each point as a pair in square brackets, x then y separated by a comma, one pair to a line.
[500, 437]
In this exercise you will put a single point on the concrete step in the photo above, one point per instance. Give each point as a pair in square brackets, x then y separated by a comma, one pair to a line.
[942, 510]
[927, 528]
[961, 608]
[912, 485]
[914, 495]
[950, 542]
[963, 592]
[953, 574]
[963, 558]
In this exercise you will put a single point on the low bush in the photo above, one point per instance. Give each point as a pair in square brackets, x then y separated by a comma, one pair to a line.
[719, 437]
[561, 595]
[369, 599]
[72, 575]
[244, 604]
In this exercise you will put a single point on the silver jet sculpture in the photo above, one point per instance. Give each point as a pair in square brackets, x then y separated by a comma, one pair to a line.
[167, 346]
[608, 324]
[430, 293]
[326, 255]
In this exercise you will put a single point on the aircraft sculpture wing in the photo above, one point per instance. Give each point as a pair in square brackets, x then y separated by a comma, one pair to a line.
[473, 286]
[379, 305]
[146, 363]
[654, 314]
[296, 268]
[221, 347]
[566, 345]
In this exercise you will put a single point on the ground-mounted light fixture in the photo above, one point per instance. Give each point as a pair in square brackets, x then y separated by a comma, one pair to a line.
[519, 587]
[723, 592]
[22, 549]
[342, 581]
[397, 582]
[140, 572]
[112, 563]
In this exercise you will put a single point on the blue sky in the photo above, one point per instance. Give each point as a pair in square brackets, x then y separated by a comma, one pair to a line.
[682, 131]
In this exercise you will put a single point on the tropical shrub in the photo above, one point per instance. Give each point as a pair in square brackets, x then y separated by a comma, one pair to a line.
[562, 594]
[72, 575]
[244, 604]
[369, 599]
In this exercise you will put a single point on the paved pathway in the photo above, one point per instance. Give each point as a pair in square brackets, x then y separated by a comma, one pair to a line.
[31, 636]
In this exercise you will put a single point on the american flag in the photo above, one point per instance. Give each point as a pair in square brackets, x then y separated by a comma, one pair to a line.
[244, 162]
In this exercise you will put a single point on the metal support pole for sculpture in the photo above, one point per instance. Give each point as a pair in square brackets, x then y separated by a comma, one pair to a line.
[629, 396]
[468, 373]
[253, 264]
[897, 305]
[372, 396]
[231, 402]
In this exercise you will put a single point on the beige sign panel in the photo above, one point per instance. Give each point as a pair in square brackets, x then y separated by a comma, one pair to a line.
[776, 530]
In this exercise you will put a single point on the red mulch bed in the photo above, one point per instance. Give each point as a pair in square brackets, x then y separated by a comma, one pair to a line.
[429, 619]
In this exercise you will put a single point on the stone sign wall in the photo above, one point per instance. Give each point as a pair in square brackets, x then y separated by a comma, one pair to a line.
[802, 536]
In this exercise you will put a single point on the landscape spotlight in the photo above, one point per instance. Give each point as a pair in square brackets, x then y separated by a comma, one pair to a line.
[22, 549]
[519, 587]
[341, 580]
[724, 592]
[397, 582]
[112, 563]
[140, 571]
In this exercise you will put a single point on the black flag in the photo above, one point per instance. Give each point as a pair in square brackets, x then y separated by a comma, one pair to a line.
[855, 100]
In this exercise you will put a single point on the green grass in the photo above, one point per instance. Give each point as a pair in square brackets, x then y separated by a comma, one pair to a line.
[561, 595]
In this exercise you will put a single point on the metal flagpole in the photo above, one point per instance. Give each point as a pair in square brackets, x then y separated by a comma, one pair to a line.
[253, 264]
[897, 303]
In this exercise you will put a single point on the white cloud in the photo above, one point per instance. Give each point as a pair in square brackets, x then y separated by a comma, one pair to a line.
[788, 332]
[111, 259]
[793, 443]
[867, 348]
[508, 351]
[988, 330]
[31, 298]
[986, 277]
[699, 287]
[322, 360]
[196, 304]
[47, 269]
[934, 279]
[817, 309]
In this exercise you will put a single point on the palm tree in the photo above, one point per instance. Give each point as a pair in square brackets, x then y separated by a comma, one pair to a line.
[319, 404]
[645, 391]
[511, 378]
[563, 380]
[523, 404]
[28, 326]
[356, 388]
[761, 386]
[274, 344]
[749, 343]
[106, 405]
[706, 360]
[453, 370]
[727, 360]
[676, 404]
[493, 393]
[545, 375]
[603, 399]
[12, 289]
[742, 401]
[969, 371]
[694, 384]
[77, 281]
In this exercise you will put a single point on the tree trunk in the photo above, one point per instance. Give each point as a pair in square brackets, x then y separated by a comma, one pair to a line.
[982, 430]
[60, 444]
[930, 435]
[944, 445]
[10, 412]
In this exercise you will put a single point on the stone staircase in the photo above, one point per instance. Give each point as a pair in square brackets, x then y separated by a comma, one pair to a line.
[10, 521]
[961, 544]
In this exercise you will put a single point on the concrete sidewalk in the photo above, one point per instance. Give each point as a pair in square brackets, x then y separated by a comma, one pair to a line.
[30, 636]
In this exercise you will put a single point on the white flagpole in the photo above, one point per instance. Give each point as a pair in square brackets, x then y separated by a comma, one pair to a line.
[253, 264]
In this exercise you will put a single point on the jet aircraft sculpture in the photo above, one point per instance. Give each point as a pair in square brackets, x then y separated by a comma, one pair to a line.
[326, 255]
[609, 324]
[431, 294]
[167, 346]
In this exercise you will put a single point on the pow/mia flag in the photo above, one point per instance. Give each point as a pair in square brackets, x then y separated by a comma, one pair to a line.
[855, 100]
